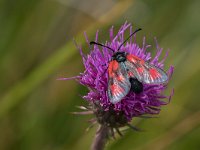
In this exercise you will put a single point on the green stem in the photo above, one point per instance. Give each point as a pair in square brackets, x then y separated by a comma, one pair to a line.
[100, 138]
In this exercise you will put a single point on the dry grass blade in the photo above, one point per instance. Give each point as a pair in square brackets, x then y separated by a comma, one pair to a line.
[82, 113]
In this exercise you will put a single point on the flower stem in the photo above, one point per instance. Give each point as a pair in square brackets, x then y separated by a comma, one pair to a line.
[100, 138]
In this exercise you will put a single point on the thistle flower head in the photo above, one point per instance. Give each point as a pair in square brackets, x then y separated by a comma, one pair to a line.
[95, 77]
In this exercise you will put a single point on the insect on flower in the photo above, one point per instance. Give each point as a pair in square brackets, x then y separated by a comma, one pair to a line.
[128, 72]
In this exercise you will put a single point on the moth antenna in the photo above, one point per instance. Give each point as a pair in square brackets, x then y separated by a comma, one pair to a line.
[92, 42]
[129, 38]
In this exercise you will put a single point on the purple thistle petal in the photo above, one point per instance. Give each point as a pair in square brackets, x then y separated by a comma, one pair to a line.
[95, 76]
[76, 77]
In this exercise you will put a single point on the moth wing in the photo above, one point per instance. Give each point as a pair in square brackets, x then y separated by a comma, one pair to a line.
[144, 71]
[118, 84]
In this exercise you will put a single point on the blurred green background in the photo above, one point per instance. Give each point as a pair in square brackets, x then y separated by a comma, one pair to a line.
[36, 48]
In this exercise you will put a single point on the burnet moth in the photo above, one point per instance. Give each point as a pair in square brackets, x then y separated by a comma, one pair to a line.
[128, 72]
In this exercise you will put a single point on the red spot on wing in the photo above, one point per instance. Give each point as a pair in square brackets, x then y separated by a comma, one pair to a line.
[154, 73]
[110, 68]
[131, 58]
[120, 78]
[140, 70]
[130, 74]
[113, 66]
[135, 59]
[116, 89]
[142, 62]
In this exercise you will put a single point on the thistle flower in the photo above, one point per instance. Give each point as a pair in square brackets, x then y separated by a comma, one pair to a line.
[95, 78]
